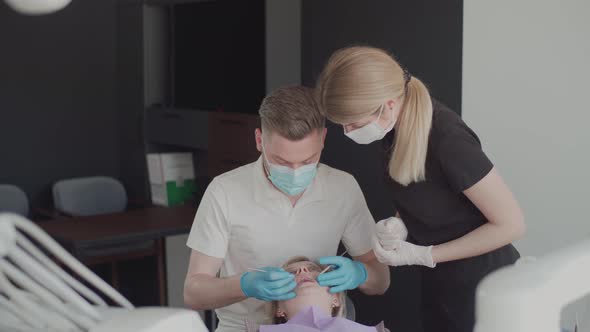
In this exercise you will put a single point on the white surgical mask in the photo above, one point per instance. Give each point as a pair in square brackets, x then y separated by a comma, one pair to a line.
[371, 132]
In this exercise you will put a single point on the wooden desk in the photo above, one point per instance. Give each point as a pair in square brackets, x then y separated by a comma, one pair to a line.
[135, 225]
[154, 223]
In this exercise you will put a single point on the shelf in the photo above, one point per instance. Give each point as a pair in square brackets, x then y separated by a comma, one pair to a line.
[186, 128]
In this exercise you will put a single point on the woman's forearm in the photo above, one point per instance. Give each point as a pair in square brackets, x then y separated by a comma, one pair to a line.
[505, 221]
[483, 239]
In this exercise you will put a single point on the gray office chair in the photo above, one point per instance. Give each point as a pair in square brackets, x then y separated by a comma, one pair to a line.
[13, 199]
[89, 196]
[350, 310]
[98, 195]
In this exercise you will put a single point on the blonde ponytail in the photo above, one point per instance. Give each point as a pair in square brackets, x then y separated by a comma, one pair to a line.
[408, 159]
[357, 81]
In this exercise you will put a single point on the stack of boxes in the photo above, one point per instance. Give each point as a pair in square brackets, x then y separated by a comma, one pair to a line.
[172, 178]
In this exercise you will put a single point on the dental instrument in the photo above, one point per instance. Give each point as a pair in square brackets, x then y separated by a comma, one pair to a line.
[330, 266]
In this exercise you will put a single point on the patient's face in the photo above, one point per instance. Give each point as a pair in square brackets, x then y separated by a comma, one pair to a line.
[309, 292]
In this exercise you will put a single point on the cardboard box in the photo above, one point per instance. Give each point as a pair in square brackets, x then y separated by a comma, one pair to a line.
[172, 177]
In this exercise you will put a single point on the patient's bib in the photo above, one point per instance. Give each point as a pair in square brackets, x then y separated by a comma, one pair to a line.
[314, 319]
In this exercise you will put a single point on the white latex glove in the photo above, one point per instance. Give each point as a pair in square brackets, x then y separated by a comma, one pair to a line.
[405, 253]
[390, 232]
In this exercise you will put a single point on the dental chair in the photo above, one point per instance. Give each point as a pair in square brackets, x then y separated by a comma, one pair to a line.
[350, 310]
[531, 296]
[36, 293]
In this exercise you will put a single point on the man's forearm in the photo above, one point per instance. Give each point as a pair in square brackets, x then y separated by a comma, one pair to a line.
[203, 291]
[378, 279]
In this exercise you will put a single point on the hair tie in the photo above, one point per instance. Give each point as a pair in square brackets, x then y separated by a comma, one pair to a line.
[407, 77]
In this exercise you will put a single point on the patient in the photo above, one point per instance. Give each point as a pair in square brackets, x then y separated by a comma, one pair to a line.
[314, 306]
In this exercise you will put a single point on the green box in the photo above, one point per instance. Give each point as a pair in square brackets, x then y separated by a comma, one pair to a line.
[172, 177]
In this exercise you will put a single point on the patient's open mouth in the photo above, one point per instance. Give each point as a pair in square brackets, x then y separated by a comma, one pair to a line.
[305, 280]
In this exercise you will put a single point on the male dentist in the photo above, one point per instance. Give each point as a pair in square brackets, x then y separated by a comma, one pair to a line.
[283, 205]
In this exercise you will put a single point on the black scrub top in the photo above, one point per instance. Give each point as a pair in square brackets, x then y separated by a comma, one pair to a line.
[436, 210]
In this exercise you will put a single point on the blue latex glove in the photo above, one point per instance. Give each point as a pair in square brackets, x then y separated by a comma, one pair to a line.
[347, 274]
[275, 284]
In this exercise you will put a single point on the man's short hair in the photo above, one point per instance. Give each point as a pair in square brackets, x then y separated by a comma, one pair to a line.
[291, 112]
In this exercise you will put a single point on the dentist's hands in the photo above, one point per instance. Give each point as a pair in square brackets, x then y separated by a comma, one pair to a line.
[391, 248]
[347, 274]
[275, 284]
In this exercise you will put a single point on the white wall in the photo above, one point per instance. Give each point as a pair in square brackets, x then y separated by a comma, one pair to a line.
[155, 61]
[283, 43]
[526, 81]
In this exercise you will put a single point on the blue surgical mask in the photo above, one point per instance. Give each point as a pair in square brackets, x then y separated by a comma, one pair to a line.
[288, 180]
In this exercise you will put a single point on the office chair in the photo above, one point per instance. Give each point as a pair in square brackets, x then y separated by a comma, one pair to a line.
[13, 199]
[90, 196]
